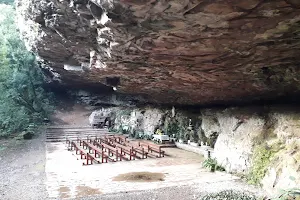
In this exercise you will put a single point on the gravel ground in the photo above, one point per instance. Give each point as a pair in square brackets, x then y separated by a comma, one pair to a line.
[22, 169]
[187, 192]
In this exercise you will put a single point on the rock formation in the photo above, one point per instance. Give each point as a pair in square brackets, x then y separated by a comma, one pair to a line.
[175, 52]
[243, 133]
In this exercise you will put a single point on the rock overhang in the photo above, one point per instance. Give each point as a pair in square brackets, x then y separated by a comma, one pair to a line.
[174, 52]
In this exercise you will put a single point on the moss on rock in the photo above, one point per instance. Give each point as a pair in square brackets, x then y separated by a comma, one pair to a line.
[261, 160]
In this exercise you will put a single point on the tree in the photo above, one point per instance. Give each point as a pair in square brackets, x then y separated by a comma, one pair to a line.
[8, 2]
[23, 99]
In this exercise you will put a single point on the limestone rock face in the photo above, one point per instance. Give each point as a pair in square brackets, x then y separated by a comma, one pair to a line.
[210, 123]
[240, 132]
[99, 116]
[141, 120]
[284, 171]
[175, 52]
[243, 129]
[237, 139]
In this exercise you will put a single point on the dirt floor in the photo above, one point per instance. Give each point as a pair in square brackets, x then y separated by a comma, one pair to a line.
[38, 169]
[22, 169]
[72, 114]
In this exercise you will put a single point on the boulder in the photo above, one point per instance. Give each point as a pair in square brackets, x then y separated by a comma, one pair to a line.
[99, 117]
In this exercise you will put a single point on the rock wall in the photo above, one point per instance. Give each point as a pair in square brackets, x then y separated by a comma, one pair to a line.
[240, 131]
[143, 121]
[284, 170]
[243, 130]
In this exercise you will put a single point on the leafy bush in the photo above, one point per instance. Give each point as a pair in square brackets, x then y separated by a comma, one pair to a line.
[112, 129]
[212, 165]
[146, 136]
[229, 195]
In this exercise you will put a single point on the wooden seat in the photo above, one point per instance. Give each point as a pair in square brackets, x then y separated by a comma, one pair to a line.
[97, 152]
[126, 150]
[140, 150]
[103, 153]
[153, 148]
[113, 151]
[83, 154]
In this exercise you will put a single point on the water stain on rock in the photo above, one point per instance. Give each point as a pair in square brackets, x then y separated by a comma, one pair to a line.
[64, 192]
[82, 191]
[140, 177]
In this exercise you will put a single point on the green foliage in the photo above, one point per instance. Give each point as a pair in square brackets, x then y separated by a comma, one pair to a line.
[173, 128]
[212, 165]
[158, 132]
[293, 193]
[8, 2]
[23, 99]
[262, 157]
[229, 195]
[147, 137]
[124, 112]
[136, 134]
[112, 129]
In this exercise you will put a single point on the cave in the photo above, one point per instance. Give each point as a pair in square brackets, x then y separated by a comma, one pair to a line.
[198, 84]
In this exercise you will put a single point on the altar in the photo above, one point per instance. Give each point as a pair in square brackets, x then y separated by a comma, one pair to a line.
[161, 138]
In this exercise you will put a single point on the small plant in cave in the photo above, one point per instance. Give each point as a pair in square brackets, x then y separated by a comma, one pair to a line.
[112, 129]
[124, 112]
[146, 137]
[173, 128]
[211, 141]
[212, 165]
[159, 132]
[229, 195]
[293, 193]
[124, 131]
[133, 134]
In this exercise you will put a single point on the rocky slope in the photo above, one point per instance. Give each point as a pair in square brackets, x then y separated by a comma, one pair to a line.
[175, 52]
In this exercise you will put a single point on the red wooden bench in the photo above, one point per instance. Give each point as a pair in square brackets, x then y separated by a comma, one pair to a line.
[103, 150]
[121, 138]
[83, 155]
[102, 140]
[113, 151]
[153, 147]
[126, 150]
[97, 152]
[138, 149]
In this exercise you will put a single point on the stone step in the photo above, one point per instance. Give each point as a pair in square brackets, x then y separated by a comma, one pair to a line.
[76, 130]
[67, 126]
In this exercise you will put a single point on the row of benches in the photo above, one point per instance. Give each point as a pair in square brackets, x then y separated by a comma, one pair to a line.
[112, 148]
